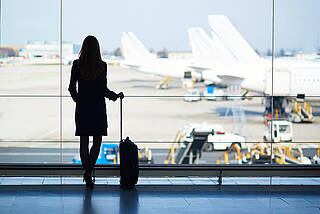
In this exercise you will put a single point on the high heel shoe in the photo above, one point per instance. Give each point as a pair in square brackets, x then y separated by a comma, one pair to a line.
[87, 178]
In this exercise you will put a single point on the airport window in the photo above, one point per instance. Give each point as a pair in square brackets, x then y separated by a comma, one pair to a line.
[215, 86]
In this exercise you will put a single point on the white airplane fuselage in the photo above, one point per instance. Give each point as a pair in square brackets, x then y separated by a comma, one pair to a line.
[165, 67]
[289, 78]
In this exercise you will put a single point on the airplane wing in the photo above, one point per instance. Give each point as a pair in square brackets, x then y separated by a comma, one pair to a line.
[230, 80]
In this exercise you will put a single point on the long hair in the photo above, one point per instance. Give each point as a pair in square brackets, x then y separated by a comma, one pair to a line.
[90, 62]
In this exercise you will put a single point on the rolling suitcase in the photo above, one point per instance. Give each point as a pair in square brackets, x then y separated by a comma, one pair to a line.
[129, 166]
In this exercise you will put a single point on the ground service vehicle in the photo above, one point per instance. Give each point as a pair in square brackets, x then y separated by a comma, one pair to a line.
[217, 140]
[192, 95]
[281, 131]
[214, 93]
[109, 154]
[223, 141]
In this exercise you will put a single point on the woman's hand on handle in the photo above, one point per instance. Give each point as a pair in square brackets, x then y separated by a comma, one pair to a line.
[121, 95]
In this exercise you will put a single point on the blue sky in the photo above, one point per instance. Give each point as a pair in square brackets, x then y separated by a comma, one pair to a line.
[160, 24]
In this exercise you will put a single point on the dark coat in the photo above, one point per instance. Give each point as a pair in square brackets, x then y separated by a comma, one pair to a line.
[90, 115]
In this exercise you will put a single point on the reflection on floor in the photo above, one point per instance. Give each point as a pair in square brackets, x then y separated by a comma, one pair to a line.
[149, 199]
[160, 195]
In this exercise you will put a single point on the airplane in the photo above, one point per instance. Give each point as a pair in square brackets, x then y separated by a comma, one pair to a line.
[139, 58]
[227, 59]
[218, 65]
[290, 77]
[246, 69]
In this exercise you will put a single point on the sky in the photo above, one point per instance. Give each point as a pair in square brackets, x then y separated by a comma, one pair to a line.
[160, 24]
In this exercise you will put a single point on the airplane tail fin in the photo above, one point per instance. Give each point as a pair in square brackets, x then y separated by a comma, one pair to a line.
[232, 39]
[206, 48]
[133, 50]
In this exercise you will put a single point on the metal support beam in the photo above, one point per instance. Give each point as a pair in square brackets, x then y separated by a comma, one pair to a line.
[155, 170]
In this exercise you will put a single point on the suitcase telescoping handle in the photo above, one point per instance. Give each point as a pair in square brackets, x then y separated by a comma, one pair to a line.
[120, 119]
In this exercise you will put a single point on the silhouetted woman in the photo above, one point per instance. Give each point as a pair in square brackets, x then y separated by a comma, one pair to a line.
[90, 72]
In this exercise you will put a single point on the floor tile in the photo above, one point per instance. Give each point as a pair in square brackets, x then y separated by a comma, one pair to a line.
[159, 181]
[157, 199]
[143, 181]
[52, 181]
[163, 181]
[72, 180]
[113, 181]
[201, 181]
[12, 181]
[101, 181]
[33, 181]
[180, 181]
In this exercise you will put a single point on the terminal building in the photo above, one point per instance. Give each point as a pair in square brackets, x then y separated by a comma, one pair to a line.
[179, 54]
[48, 49]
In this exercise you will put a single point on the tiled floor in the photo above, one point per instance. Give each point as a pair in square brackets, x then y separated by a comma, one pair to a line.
[160, 195]
[163, 199]
[161, 181]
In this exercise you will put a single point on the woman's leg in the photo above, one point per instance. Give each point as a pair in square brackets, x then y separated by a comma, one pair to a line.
[94, 151]
[84, 152]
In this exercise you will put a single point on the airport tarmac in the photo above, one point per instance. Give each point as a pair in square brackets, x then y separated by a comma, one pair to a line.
[30, 111]
[52, 155]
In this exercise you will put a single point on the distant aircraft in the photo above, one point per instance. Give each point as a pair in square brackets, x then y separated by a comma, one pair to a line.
[243, 67]
[228, 59]
[134, 52]
[139, 58]
[291, 77]
[220, 66]
[223, 30]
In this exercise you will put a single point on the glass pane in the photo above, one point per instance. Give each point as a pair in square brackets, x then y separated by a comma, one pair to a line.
[296, 80]
[29, 48]
[29, 130]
